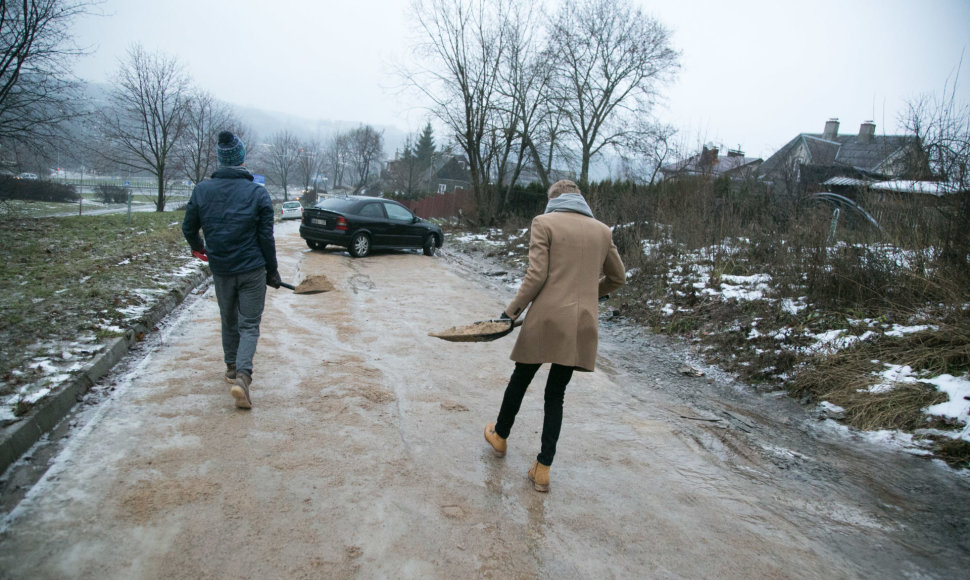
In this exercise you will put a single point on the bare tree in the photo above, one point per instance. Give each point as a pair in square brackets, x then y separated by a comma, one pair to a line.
[463, 48]
[308, 163]
[335, 156]
[365, 146]
[284, 149]
[546, 142]
[648, 146]
[147, 117]
[37, 88]
[205, 118]
[608, 59]
[527, 101]
[941, 125]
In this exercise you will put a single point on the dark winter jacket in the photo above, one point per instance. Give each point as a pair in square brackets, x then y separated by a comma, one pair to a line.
[236, 218]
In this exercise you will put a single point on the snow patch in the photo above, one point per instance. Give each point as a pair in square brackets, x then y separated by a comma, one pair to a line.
[957, 407]
[900, 331]
[790, 306]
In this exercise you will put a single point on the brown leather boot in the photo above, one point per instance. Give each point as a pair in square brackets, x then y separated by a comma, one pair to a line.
[498, 444]
[539, 476]
[240, 390]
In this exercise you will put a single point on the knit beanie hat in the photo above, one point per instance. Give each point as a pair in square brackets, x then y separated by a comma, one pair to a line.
[230, 150]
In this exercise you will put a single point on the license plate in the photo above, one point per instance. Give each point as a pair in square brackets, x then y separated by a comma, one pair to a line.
[318, 221]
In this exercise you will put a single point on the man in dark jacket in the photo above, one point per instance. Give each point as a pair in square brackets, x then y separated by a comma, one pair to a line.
[236, 218]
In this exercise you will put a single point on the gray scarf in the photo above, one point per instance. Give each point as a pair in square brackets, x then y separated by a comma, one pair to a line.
[573, 202]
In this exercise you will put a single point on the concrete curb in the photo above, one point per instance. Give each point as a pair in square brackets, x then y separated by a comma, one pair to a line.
[17, 438]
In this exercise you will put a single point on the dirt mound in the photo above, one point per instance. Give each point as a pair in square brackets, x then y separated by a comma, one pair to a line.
[476, 332]
[313, 284]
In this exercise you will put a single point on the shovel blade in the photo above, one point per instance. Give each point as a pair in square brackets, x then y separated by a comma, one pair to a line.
[310, 285]
[314, 284]
[481, 331]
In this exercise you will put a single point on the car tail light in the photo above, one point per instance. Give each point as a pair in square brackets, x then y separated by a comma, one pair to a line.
[341, 224]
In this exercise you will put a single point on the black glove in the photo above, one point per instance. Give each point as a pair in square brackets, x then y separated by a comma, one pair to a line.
[504, 316]
[273, 279]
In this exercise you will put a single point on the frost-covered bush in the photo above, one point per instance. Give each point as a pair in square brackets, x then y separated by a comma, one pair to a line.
[112, 193]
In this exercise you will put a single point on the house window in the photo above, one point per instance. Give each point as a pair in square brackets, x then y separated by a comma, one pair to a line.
[442, 187]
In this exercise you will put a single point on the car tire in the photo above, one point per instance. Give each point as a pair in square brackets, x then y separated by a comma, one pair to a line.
[359, 245]
[429, 245]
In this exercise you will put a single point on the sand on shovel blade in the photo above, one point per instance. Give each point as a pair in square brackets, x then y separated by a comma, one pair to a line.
[313, 284]
[472, 332]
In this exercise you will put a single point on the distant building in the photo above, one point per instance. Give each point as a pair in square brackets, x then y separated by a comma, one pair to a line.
[445, 174]
[711, 163]
[529, 174]
[811, 159]
[448, 173]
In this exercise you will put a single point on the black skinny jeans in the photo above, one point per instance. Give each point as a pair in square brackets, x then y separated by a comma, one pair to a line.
[552, 416]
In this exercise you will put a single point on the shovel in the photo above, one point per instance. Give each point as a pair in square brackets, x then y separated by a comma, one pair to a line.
[310, 285]
[481, 331]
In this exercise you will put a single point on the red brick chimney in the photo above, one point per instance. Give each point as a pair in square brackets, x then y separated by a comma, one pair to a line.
[708, 157]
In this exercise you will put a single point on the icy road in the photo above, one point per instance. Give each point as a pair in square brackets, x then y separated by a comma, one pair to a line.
[364, 457]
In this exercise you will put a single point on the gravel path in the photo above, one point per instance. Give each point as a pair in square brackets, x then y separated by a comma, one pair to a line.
[364, 457]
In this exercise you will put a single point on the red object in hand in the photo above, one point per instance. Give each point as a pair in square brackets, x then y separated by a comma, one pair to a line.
[200, 255]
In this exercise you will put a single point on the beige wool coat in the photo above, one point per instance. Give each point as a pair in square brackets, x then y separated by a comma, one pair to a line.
[572, 262]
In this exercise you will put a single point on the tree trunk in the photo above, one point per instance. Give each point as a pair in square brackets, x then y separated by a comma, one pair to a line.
[160, 200]
[537, 160]
[584, 172]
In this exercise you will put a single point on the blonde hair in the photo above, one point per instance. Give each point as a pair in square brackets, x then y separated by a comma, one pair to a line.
[562, 186]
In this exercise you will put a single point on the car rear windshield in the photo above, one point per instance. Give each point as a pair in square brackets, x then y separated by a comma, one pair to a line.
[291, 204]
[336, 204]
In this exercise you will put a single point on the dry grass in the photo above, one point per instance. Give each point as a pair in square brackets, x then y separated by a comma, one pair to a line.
[864, 278]
[73, 279]
[944, 350]
[844, 379]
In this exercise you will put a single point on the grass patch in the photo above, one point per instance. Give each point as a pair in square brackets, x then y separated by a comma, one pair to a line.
[945, 349]
[78, 281]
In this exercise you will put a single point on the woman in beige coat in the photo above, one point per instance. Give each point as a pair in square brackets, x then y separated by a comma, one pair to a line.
[572, 262]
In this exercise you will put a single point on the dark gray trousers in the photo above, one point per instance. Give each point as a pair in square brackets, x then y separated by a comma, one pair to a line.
[241, 298]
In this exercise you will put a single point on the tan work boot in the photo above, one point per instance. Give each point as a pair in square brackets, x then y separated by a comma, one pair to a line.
[539, 476]
[230, 373]
[498, 444]
[240, 390]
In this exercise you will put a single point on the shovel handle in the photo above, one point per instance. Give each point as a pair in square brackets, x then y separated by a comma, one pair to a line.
[515, 324]
[289, 286]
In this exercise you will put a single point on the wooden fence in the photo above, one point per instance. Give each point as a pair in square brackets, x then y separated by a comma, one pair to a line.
[445, 205]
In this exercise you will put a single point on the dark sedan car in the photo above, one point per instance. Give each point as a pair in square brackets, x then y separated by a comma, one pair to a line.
[362, 224]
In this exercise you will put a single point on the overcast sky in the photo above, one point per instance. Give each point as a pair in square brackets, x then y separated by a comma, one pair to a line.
[755, 73]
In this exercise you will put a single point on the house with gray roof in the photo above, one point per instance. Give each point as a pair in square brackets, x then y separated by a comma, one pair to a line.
[811, 159]
[709, 162]
[446, 173]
